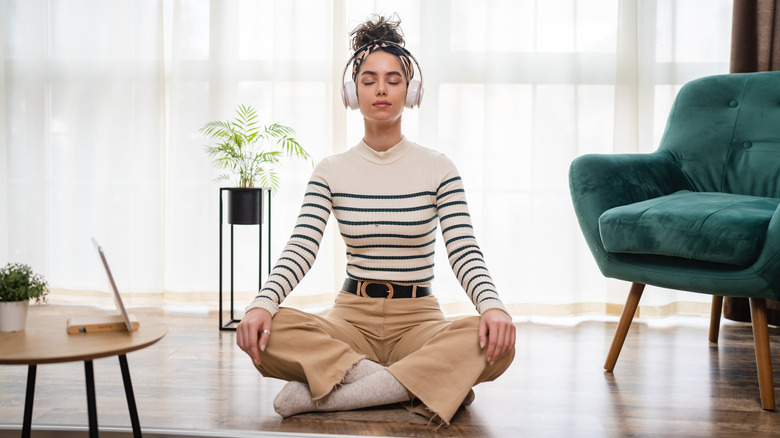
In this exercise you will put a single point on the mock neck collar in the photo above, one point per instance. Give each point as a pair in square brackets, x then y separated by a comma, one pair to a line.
[389, 156]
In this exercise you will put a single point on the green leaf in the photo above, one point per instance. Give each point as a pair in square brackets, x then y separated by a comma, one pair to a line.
[243, 146]
[18, 282]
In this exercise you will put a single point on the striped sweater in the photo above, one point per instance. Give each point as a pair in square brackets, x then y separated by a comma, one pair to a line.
[388, 206]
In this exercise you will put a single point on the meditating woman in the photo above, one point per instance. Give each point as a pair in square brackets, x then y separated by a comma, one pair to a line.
[385, 340]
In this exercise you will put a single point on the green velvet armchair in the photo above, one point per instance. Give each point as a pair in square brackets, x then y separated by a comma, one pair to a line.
[699, 214]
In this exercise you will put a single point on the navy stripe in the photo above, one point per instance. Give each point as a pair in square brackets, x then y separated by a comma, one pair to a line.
[313, 216]
[315, 183]
[296, 264]
[447, 243]
[486, 290]
[488, 298]
[474, 278]
[385, 210]
[280, 287]
[295, 275]
[457, 274]
[317, 194]
[422, 256]
[395, 236]
[308, 204]
[278, 284]
[305, 249]
[469, 270]
[450, 193]
[450, 204]
[389, 222]
[457, 178]
[418, 268]
[285, 279]
[456, 226]
[267, 297]
[310, 227]
[301, 236]
[278, 298]
[422, 245]
[462, 248]
[454, 215]
[299, 255]
[405, 196]
[484, 282]
[467, 253]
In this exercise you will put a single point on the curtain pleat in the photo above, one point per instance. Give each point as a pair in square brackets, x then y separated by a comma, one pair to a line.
[755, 36]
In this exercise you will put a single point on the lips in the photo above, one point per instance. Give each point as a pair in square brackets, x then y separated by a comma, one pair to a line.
[381, 104]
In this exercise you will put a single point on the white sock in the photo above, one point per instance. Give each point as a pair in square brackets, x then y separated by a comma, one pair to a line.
[363, 368]
[379, 388]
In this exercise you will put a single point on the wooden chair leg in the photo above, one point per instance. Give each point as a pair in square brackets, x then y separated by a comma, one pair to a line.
[715, 312]
[766, 384]
[629, 310]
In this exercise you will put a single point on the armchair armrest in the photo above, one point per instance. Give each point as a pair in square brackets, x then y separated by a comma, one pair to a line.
[768, 263]
[600, 182]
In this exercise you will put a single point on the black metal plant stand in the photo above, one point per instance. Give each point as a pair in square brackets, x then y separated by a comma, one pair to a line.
[265, 194]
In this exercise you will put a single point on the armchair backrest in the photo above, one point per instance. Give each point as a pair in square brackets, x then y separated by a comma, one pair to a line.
[724, 132]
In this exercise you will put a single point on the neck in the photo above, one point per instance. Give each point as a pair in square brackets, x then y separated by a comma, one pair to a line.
[381, 136]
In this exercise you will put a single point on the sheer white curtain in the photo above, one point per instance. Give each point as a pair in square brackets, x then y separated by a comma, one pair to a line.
[103, 101]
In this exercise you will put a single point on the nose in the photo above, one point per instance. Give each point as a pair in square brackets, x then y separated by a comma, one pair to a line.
[381, 91]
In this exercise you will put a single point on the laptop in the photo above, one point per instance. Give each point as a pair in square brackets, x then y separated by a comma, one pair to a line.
[101, 323]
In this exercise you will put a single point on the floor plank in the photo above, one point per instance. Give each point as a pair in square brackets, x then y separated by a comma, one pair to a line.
[669, 380]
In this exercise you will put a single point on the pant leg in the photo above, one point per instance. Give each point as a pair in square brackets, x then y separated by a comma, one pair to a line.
[440, 361]
[312, 349]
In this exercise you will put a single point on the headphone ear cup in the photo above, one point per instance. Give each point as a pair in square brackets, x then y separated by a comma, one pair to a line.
[414, 93]
[349, 95]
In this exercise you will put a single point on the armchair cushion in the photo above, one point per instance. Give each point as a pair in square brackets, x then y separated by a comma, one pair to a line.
[713, 227]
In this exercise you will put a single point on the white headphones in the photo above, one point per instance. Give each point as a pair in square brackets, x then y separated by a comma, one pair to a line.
[414, 90]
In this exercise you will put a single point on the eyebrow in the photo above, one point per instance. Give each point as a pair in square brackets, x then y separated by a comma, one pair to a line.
[393, 73]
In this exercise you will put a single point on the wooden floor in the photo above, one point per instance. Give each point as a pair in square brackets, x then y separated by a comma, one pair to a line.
[668, 381]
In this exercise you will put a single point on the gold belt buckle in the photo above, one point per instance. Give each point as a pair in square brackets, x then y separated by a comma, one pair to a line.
[365, 284]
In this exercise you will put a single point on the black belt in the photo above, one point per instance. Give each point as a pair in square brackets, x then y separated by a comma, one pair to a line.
[384, 289]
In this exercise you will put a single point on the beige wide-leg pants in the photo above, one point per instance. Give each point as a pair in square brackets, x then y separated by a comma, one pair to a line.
[436, 359]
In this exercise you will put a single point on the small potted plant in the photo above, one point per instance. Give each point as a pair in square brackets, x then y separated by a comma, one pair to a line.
[249, 152]
[18, 285]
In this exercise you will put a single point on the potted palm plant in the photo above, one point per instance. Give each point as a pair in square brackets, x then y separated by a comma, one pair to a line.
[249, 153]
[18, 285]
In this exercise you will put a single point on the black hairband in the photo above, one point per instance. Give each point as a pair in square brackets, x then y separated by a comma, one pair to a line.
[388, 46]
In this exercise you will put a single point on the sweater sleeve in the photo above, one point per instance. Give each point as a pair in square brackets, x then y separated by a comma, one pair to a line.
[465, 256]
[301, 250]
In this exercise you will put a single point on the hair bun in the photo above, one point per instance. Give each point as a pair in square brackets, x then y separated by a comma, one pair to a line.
[377, 28]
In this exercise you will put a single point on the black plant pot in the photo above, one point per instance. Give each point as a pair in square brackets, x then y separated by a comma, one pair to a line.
[245, 206]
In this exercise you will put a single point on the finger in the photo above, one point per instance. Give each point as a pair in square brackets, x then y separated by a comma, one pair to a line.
[509, 338]
[503, 340]
[483, 330]
[493, 337]
[265, 335]
[251, 345]
[503, 346]
[240, 337]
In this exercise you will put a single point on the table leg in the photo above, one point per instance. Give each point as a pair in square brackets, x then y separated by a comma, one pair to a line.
[89, 375]
[28, 401]
[130, 397]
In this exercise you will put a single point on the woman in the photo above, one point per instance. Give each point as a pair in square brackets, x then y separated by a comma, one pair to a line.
[385, 339]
